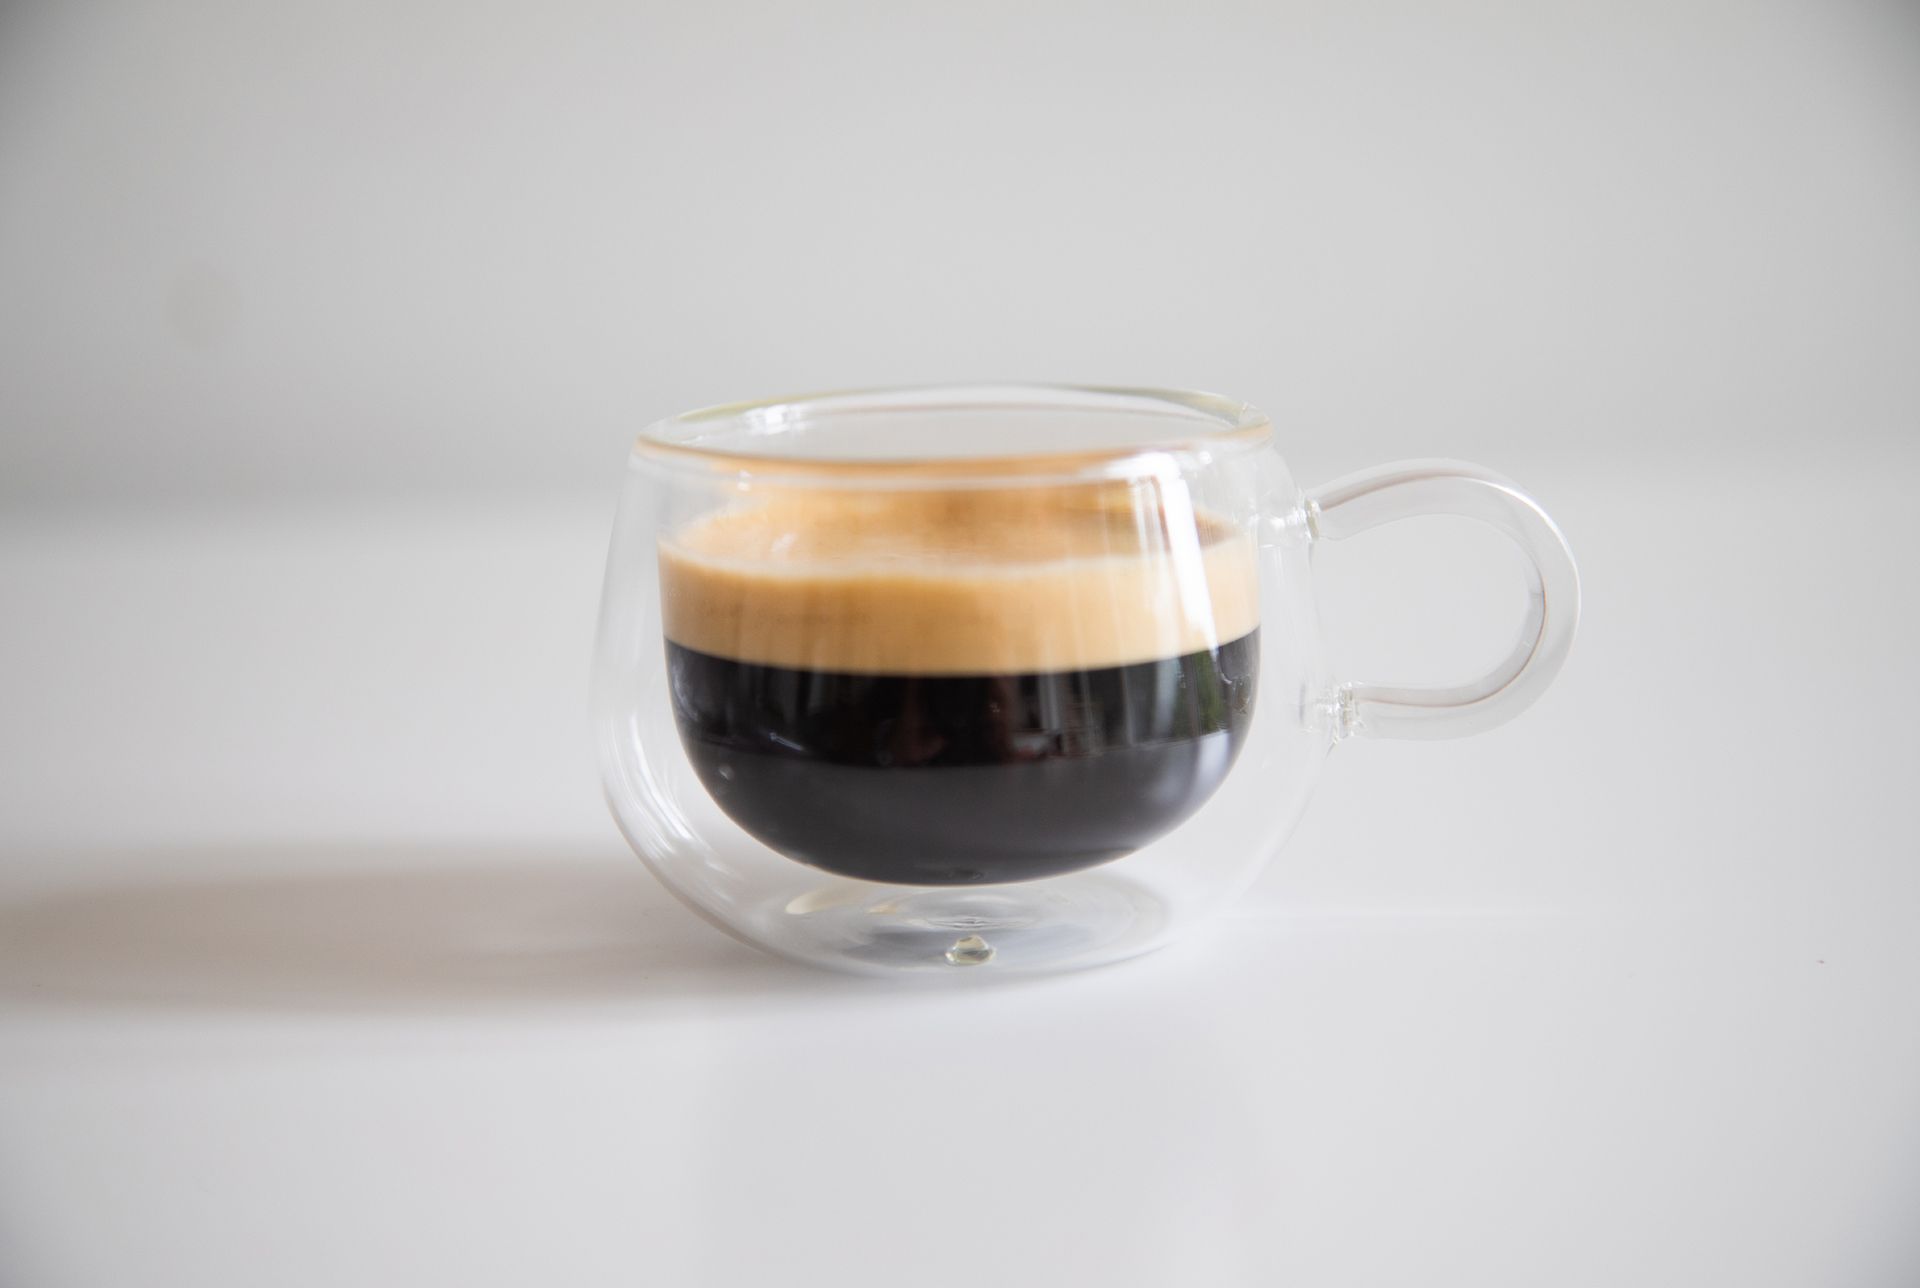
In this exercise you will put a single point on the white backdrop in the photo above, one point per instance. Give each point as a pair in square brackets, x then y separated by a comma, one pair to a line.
[376, 247]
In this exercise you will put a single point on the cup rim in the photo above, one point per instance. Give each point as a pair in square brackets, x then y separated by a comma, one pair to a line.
[1199, 424]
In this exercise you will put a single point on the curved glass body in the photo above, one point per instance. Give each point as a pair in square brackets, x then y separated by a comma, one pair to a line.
[979, 681]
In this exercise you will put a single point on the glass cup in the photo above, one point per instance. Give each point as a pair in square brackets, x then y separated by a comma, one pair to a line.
[978, 681]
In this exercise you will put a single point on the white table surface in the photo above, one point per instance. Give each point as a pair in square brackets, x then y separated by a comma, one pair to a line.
[321, 964]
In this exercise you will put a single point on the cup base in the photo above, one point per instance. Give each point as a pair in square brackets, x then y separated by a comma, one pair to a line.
[1063, 924]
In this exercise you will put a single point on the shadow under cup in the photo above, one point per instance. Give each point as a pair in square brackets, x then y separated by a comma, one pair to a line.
[993, 714]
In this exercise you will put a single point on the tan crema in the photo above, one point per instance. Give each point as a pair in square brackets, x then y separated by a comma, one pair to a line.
[959, 582]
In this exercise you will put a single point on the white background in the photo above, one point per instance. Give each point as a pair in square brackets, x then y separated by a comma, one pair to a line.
[378, 247]
[322, 333]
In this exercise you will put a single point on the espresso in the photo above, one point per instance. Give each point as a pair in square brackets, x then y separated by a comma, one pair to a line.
[949, 689]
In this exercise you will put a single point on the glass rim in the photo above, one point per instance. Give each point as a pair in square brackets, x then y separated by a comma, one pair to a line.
[1200, 423]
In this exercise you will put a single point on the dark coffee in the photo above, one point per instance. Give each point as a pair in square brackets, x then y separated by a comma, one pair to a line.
[948, 780]
[954, 688]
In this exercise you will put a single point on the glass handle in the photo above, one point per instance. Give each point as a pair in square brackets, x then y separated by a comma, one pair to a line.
[1412, 489]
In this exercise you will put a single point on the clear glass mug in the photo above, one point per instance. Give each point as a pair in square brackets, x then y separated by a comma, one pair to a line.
[976, 681]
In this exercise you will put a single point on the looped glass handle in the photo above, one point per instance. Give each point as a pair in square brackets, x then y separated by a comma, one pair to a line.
[1413, 489]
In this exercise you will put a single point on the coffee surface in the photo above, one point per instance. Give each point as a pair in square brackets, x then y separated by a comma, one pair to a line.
[958, 583]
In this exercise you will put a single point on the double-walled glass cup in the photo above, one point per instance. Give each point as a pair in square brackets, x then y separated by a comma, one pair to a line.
[987, 680]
